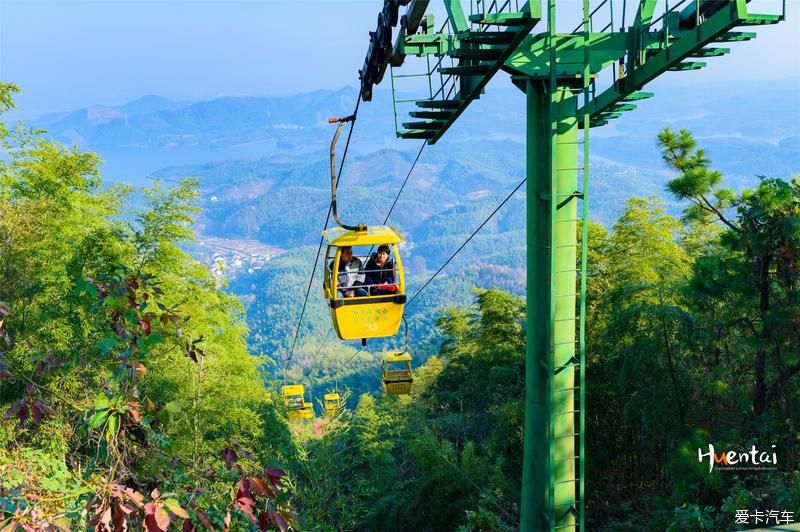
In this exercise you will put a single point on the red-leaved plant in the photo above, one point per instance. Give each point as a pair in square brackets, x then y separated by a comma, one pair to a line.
[120, 422]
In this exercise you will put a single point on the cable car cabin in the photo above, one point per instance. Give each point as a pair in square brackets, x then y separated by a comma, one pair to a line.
[364, 302]
[296, 407]
[397, 376]
[333, 404]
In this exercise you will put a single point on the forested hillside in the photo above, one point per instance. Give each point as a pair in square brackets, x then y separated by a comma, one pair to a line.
[128, 396]
[692, 341]
[283, 201]
[262, 168]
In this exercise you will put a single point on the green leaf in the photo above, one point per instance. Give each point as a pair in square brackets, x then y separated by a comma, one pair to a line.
[107, 344]
[98, 419]
[101, 402]
[173, 407]
[86, 287]
[174, 506]
[89, 468]
[132, 317]
[167, 415]
[112, 427]
[119, 376]
[63, 523]
[149, 341]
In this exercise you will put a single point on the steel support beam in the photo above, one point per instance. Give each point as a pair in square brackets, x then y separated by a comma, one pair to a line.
[549, 454]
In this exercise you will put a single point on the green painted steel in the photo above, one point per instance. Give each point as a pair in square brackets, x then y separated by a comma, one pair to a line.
[551, 487]
[556, 71]
[536, 455]
[479, 51]
[586, 121]
[455, 13]
[532, 58]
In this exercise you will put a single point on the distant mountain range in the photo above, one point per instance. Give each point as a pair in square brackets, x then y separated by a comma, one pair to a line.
[750, 127]
[152, 132]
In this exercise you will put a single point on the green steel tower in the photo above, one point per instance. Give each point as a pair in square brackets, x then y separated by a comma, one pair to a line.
[562, 76]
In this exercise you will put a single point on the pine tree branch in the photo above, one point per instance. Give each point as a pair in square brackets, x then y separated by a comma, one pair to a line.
[719, 215]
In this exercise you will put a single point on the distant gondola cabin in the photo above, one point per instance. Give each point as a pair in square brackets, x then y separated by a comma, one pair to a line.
[397, 375]
[294, 399]
[359, 308]
[333, 404]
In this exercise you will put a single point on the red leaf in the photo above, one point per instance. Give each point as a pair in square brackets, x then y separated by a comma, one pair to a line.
[274, 476]
[135, 415]
[246, 505]
[23, 414]
[127, 510]
[40, 410]
[244, 488]
[18, 409]
[274, 472]
[162, 518]
[158, 520]
[227, 522]
[135, 497]
[230, 457]
[119, 518]
[145, 325]
[279, 521]
[263, 521]
[204, 519]
[150, 524]
[37, 414]
[260, 488]
[241, 449]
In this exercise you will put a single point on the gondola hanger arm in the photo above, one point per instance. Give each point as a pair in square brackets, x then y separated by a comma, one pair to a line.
[362, 228]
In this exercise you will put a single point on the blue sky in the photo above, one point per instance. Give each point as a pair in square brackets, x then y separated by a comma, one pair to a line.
[67, 54]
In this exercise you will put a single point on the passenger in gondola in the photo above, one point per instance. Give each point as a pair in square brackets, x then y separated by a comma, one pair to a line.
[380, 274]
[351, 274]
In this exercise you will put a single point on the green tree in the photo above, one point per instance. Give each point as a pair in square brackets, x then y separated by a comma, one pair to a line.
[751, 286]
[122, 368]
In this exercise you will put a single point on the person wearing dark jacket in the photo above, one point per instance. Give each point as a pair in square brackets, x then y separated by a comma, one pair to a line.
[351, 276]
[380, 271]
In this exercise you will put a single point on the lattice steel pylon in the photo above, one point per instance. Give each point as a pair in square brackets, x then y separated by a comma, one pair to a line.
[559, 74]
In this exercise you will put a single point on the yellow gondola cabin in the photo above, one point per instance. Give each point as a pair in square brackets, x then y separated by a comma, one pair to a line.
[294, 399]
[360, 310]
[333, 404]
[397, 375]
